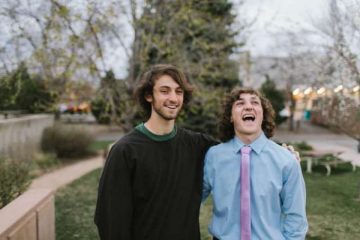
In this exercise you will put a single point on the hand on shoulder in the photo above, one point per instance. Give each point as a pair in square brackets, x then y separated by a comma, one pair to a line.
[293, 151]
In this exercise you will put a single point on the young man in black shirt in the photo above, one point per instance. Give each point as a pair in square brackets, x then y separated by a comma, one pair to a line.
[150, 188]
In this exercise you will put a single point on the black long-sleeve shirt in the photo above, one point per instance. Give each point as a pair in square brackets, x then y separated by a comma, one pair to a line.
[151, 190]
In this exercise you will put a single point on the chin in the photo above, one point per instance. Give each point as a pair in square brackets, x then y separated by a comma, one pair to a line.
[248, 131]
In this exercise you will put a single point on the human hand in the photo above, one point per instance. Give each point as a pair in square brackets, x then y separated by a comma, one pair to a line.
[292, 150]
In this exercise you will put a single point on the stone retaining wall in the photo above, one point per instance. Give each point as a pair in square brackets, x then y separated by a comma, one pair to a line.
[20, 137]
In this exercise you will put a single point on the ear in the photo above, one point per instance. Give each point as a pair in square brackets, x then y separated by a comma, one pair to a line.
[149, 98]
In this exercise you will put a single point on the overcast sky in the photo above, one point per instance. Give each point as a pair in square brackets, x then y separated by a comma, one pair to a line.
[275, 17]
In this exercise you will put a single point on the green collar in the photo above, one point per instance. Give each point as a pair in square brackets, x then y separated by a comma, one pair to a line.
[159, 138]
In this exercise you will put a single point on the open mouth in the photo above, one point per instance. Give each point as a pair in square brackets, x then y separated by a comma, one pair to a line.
[248, 117]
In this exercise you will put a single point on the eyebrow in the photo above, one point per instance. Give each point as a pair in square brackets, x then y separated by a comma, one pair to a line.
[169, 87]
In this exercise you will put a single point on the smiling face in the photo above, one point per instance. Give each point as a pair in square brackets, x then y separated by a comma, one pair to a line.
[167, 98]
[247, 116]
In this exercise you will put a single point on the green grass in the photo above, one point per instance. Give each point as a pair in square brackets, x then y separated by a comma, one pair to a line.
[97, 146]
[205, 217]
[332, 210]
[75, 206]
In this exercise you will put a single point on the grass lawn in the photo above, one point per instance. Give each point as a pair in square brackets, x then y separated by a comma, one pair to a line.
[97, 146]
[75, 206]
[332, 209]
[333, 212]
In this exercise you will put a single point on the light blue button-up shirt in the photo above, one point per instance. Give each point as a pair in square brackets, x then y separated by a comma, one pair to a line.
[277, 191]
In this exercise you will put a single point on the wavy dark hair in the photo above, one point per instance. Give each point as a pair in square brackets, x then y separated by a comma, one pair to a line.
[147, 82]
[226, 127]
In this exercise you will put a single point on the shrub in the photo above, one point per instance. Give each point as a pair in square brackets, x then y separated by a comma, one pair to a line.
[66, 141]
[303, 146]
[42, 163]
[46, 160]
[14, 179]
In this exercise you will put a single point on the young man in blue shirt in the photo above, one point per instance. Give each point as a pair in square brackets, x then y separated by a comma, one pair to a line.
[276, 196]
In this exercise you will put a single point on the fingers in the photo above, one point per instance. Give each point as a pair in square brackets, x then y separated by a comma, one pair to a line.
[292, 150]
[297, 155]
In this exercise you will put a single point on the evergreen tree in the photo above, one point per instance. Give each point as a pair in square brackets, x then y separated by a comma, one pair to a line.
[198, 37]
[195, 35]
[112, 101]
[275, 96]
[20, 91]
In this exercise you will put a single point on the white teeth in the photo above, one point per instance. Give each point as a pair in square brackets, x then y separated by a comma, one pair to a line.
[248, 117]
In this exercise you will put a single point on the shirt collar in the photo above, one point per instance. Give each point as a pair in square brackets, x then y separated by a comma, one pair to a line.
[257, 145]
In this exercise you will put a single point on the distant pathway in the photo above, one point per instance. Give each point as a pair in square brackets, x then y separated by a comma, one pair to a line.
[322, 139]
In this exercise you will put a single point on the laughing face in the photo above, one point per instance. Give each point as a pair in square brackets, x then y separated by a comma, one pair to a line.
[247, 116]
[167, 98]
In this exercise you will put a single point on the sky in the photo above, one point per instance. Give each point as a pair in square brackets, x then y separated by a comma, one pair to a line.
[275, 17]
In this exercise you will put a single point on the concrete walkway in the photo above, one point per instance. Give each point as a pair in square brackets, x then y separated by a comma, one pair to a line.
[321, 139]
[66, 175]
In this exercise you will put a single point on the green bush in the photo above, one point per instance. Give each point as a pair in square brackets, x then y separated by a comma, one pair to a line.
[46, 161]
[302, 146]
[66, 141]
[42, 163]
[14, 179]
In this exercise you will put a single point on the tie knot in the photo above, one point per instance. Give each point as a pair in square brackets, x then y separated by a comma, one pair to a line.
[245, 150]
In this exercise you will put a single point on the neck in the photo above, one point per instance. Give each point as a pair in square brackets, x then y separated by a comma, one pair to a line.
[247, 139]
[159, 126]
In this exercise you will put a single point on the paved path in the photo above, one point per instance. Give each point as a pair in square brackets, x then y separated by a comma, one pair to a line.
[321, 139]
[66, 175]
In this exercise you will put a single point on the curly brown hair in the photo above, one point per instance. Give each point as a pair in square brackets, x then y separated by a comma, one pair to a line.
[226, 127]
[147, 82]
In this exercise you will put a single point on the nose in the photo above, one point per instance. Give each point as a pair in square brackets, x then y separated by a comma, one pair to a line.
[173, 96]
[248, 106]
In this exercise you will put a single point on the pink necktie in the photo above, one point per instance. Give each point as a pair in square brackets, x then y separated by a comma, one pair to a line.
[245, 221]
